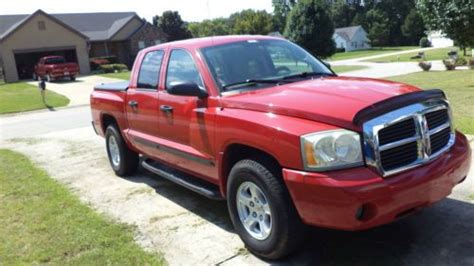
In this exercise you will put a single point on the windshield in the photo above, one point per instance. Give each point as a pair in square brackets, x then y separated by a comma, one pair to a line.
[238, 62]
[54, 60]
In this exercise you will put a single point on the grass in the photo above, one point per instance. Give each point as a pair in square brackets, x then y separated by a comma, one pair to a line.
[369, 52]
[459, 88]
[346, 68]
[41, 222]
[120, 75]
[20, 97]
[434, 54]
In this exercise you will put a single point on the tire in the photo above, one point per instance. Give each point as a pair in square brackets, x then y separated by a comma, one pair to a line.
[72, 78]
[123, 161]
[287, 231]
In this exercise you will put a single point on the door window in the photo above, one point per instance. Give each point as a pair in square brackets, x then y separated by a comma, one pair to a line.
[181, 68]
[149, 75]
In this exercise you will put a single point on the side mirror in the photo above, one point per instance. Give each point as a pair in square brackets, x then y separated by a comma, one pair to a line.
[326, 63]
[187, 88]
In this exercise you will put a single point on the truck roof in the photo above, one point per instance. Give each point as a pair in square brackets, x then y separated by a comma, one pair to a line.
[198, 43]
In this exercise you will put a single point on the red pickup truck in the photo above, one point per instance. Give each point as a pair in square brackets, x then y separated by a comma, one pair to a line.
[52, 68]
[261, 123]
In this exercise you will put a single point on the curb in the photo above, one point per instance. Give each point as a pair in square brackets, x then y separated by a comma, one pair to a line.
[43, 110]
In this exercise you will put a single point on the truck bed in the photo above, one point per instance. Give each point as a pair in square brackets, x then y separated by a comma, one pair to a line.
[114, 86]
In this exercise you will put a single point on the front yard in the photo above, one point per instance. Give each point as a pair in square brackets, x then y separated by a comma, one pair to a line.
[20, 97]
[431, 55]
[41, 222]
[459, 88]
[369, 52]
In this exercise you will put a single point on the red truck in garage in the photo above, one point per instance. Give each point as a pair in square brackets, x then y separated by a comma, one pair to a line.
[261, 123]
[52, 68]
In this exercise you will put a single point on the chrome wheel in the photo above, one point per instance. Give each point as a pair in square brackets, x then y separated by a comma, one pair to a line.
[254, 210]
[114, 151]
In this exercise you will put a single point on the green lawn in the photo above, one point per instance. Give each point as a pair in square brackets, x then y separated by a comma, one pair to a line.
[20, 97]
[121, 75]
[347, 68]
[369, 52]
[459, 88]
[434, 54]
[41, 222]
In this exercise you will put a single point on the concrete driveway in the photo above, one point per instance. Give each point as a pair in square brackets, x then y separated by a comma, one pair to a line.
[77, 91]
[192, 230]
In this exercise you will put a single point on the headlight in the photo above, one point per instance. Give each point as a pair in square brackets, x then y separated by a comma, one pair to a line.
[330, 150]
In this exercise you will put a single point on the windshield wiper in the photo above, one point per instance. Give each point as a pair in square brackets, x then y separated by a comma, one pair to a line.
[254, 81]
[307, 74]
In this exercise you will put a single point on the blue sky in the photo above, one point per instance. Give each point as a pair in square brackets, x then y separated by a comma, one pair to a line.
[191, 10]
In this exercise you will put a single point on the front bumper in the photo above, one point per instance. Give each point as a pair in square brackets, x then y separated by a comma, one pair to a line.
[359, 198]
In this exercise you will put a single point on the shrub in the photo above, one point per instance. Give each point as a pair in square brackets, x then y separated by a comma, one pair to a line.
[461, 61]
[471, 63]
[112, 68]
[426, 66]
[450, 64]
[424, 42]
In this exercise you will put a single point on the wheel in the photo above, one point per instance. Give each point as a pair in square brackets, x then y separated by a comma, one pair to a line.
[48, 78]
[124, 161]
[261, 210]
[72, 78]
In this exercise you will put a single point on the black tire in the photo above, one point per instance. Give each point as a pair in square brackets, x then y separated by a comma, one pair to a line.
[72, 78]
[287, 230]
[128, 159]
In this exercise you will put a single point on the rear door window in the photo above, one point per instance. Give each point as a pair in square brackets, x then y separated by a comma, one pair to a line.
[149, 74]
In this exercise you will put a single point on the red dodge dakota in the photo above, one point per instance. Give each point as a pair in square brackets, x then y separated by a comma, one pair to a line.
[261, 123]
[51, 68]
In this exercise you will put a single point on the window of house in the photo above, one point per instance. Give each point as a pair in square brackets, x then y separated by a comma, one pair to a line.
[157, 42]
[41, 25]
[149, 75]
[181, 68]
[141, 45]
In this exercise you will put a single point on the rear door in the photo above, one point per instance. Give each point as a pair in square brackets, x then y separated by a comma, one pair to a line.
[142, 104]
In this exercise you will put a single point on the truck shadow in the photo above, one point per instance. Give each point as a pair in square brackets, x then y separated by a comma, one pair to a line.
[440, 235]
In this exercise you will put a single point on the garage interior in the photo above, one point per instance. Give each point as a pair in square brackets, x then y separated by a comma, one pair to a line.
[26, 60]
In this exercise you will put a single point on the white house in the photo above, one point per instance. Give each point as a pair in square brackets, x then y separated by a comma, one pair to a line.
[351, 38]
[439, 39]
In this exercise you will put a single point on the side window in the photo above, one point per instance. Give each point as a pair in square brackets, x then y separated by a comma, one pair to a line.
[149, 75]
[181, 68]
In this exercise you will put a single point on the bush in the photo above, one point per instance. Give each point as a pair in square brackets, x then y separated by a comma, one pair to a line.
[461, 61]
[113, 68]
[450, 64]
[426, 66]
[471, 63]
[340, 50]
[424, 42]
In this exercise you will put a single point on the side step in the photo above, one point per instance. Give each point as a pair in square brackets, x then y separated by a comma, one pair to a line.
[193, 183]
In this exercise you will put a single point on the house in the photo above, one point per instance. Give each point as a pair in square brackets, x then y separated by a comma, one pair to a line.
[351, 38]
[439, 39]
[78, 37]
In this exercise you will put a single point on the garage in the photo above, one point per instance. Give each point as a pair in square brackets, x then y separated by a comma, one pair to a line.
[24, 39]
[27, 59]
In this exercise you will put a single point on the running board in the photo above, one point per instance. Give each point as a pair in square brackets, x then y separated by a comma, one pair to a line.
[188, 181]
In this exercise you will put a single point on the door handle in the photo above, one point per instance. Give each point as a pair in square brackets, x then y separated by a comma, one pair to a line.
[133, 104]
[166, 108]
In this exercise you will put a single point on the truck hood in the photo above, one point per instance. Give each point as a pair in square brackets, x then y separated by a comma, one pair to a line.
[330, 100]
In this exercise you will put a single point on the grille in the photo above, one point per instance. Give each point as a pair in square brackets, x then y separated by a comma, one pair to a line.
[408, 137]
[399, 131]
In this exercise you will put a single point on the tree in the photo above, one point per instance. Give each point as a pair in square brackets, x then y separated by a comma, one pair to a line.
[454, 18]
[281, 8]
[214, 27]
[342, 13]
[310, 25]
[379, 30]
[172, 25]
[251, 22]
[413, 28]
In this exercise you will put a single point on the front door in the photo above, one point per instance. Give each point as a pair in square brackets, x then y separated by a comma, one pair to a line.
[186, 125]
[143, 104]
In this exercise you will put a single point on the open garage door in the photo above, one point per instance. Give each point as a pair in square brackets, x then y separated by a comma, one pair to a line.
[26, 60]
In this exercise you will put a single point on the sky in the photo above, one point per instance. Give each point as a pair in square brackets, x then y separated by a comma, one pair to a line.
[191, 10]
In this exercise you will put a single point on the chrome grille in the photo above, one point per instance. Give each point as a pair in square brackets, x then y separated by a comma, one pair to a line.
[408, 137]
